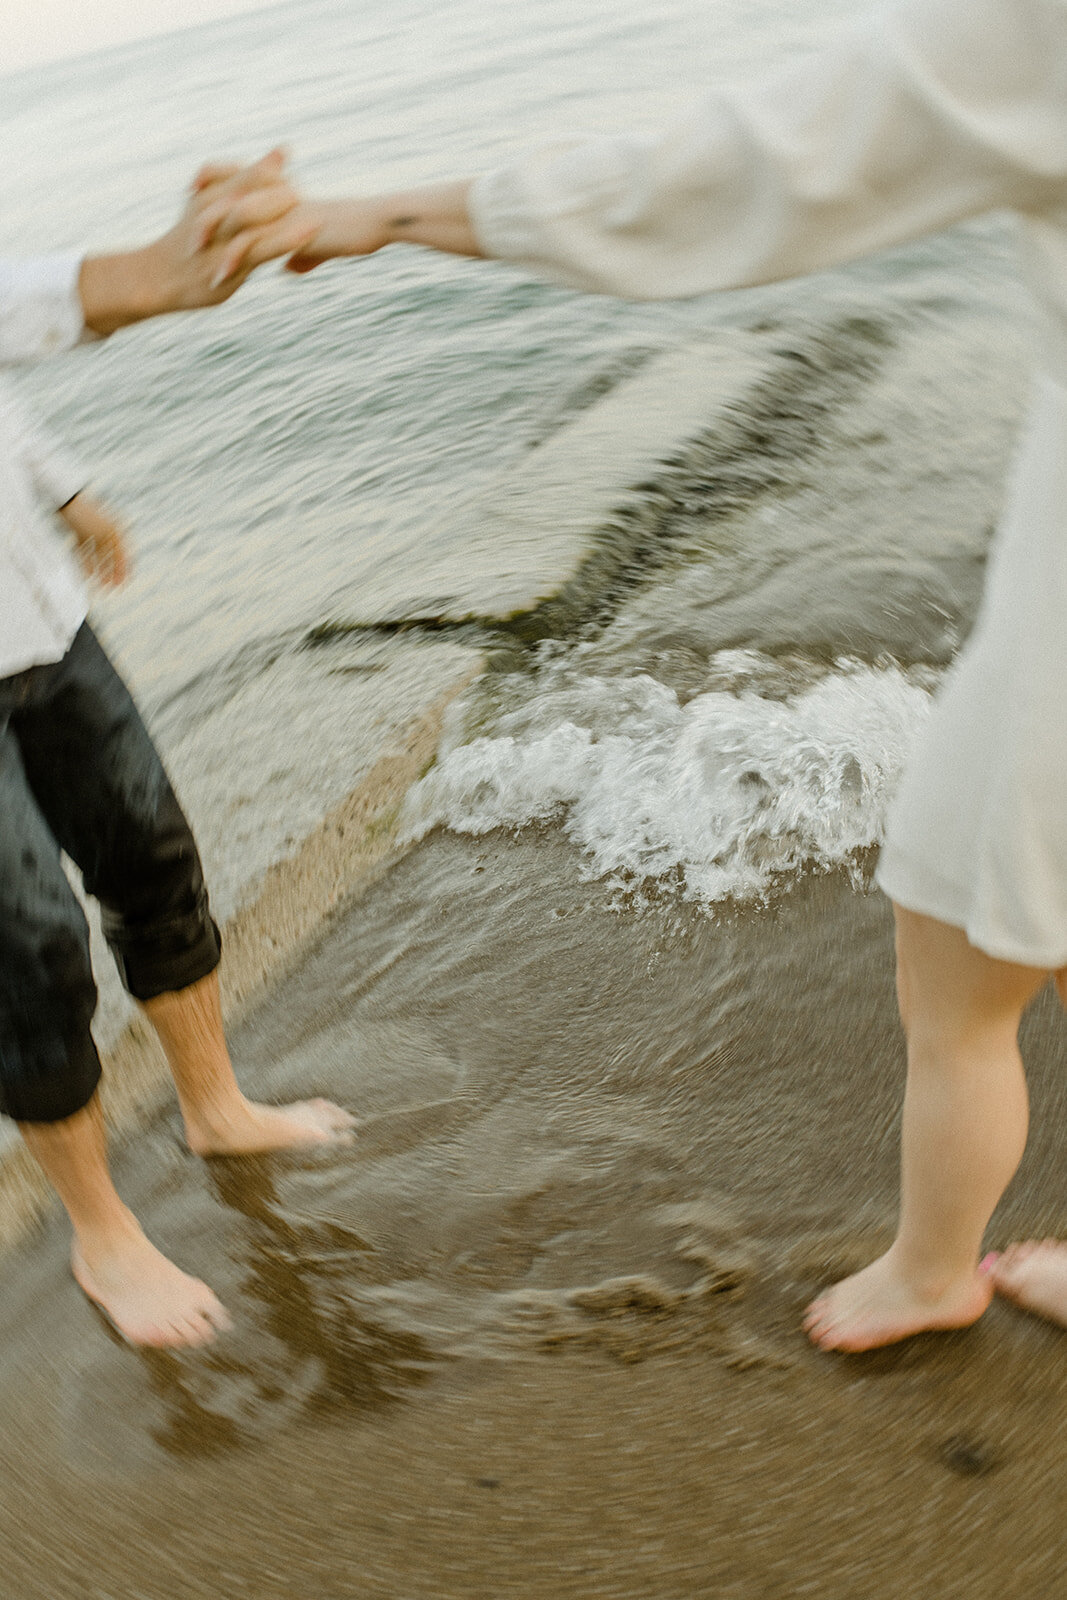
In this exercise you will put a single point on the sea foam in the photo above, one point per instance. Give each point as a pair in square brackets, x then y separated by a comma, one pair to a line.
[719, 796]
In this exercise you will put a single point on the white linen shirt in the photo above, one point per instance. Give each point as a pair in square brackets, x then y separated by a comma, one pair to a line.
[43, 600]
[913, 118]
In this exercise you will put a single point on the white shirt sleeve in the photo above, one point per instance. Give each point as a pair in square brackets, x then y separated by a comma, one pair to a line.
[914, 119]
[56, 473]
[40, 312]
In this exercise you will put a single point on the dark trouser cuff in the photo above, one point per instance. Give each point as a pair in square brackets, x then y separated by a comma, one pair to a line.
[57, 1090]
[166, 956]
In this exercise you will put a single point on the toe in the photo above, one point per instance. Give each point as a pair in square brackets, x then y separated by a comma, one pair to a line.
[334, 1118]
[152, 1336]
[811, 1319]
[180, 1335]
[818, 1325]
[818, 1311]
[1010, 1264]
[215, 1313]
[1008, 1279]
[197, 1331]
[824, 1336]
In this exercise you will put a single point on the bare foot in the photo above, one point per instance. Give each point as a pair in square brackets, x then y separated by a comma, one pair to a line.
[1034, 1276]
[879, 1306]
[248, 1128]
[145, 1297]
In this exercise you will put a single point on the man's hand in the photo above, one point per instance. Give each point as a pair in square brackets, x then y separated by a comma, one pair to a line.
[186, 268]
[242, 226]
[99, 541]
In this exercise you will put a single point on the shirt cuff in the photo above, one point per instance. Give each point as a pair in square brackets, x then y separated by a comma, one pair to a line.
[501, 221]
[553, 210]
[40, 308]
[61, 478]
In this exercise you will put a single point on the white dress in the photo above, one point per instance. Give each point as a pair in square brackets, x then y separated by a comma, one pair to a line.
[915, 118]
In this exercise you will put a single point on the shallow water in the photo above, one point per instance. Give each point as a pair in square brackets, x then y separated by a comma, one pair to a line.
[619, 1025]
[536, 1333]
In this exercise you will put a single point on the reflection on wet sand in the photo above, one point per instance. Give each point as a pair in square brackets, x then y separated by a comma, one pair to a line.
[314, 1345]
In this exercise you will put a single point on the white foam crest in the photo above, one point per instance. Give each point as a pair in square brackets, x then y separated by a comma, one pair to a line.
[720, 796]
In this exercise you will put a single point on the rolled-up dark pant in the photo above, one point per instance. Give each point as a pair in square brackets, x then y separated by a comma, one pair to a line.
[79, 773]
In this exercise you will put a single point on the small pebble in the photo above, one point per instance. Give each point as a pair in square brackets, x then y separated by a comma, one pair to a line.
[968, 1457]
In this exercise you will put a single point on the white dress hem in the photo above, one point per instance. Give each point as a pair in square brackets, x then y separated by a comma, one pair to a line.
[918, 887]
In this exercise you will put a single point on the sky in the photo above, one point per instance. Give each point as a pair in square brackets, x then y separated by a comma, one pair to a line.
[43, 30]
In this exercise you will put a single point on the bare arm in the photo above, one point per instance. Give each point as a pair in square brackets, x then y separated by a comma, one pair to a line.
[436, 216]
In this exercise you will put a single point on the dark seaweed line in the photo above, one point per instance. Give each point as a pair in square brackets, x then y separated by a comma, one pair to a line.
[749, 452]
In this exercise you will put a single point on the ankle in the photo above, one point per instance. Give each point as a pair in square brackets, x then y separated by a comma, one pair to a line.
[929, 1281]
[103, 1235]
[218, 1126]
[215, 1112]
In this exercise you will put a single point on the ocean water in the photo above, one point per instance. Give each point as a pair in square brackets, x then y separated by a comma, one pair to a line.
[278, 456]
[618, 1019]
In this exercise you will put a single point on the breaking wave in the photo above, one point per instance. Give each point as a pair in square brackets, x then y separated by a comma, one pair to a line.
[720, 795]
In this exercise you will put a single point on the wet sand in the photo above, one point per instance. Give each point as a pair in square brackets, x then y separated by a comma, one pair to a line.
[537, 1333]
